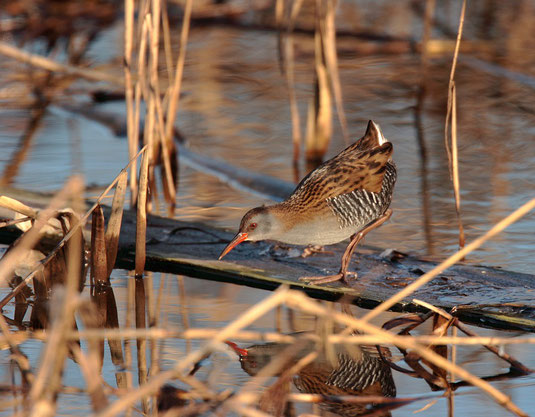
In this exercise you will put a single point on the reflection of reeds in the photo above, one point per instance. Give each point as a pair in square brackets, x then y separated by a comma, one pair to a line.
[141, 220]
[56, 67]
[44, 383]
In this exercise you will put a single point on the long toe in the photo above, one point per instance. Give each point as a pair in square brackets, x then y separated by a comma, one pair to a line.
[322, 279]
[347, 276]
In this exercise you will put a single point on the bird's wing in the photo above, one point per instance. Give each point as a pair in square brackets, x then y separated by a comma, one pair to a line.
[352, 170]
[358, 375]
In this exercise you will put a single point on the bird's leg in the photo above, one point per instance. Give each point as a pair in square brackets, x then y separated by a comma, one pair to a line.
[346, 257]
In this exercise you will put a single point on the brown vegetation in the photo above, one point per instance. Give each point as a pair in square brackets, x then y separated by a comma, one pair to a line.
[57, 278]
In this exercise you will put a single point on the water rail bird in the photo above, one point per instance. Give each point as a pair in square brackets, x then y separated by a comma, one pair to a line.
[345, 197]
[356, 370]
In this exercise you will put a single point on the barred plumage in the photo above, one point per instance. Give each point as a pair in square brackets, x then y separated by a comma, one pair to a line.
[360, 207]
[347, 196]
[361, 372]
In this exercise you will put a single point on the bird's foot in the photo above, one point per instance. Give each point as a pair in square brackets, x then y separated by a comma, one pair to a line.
[311, 250]
[340, 276]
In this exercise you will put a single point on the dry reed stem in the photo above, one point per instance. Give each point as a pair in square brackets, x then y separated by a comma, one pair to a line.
[473, 335]
[139, 89]
[454, 332]
[156, 113]
[174, 96]
[53, 66]
[16, 354]
[319, 122]
[141, 344]
[290, 80]
[9, 261]
[455, 164]
[458, 41]
[72, 231]
[427, 406]
[128, 324]
[247, 394]
[168, 148]
[152, 318]
[250, 411]
[428, 23]
[183, 310]
[451, 115]
[143, 12]
[17, 206]
[141, 219]
[433, 308]
[428, 276]
[354, 399]
[13, 222]
[248, 317]
[20, 337]
[329, 49]
[159, 333]
[168, 183]
[227, 332]
[132, 134]
[167, 41]
[48, 378]
[90, 368]
[63, 303]
[150, 129]
[99, 264]
[301, 302]
[148, 95]
[279, 15]
[156, 15]
[114, 223]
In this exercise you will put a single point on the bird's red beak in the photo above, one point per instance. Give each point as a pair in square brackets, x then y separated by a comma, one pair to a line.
[240, 351]
[239, 238]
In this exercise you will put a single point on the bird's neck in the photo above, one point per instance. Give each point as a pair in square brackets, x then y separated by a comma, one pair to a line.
[284, 217]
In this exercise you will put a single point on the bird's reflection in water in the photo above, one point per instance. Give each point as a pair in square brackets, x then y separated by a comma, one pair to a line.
[358, 371]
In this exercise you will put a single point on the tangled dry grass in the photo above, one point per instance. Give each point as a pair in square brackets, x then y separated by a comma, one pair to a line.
[59, 275]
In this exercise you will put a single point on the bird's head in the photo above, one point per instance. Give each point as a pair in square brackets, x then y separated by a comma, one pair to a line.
[256, 357]
[257, 224]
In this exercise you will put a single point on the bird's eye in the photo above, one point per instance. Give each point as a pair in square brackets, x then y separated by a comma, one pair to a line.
[253, 226]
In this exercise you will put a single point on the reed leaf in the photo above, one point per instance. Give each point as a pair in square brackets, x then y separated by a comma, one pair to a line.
[114, 224]
[99, 265]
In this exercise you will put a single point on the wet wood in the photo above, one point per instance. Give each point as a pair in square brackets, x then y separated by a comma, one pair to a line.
[481, 295]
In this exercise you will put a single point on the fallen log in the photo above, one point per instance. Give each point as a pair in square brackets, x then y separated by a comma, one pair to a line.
[480, 295]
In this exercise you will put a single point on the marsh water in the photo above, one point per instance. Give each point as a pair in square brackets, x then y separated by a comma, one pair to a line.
[235, 108]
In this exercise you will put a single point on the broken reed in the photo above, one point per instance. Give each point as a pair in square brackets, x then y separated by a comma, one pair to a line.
[59, 336]
[66, 301]
[290, 299]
